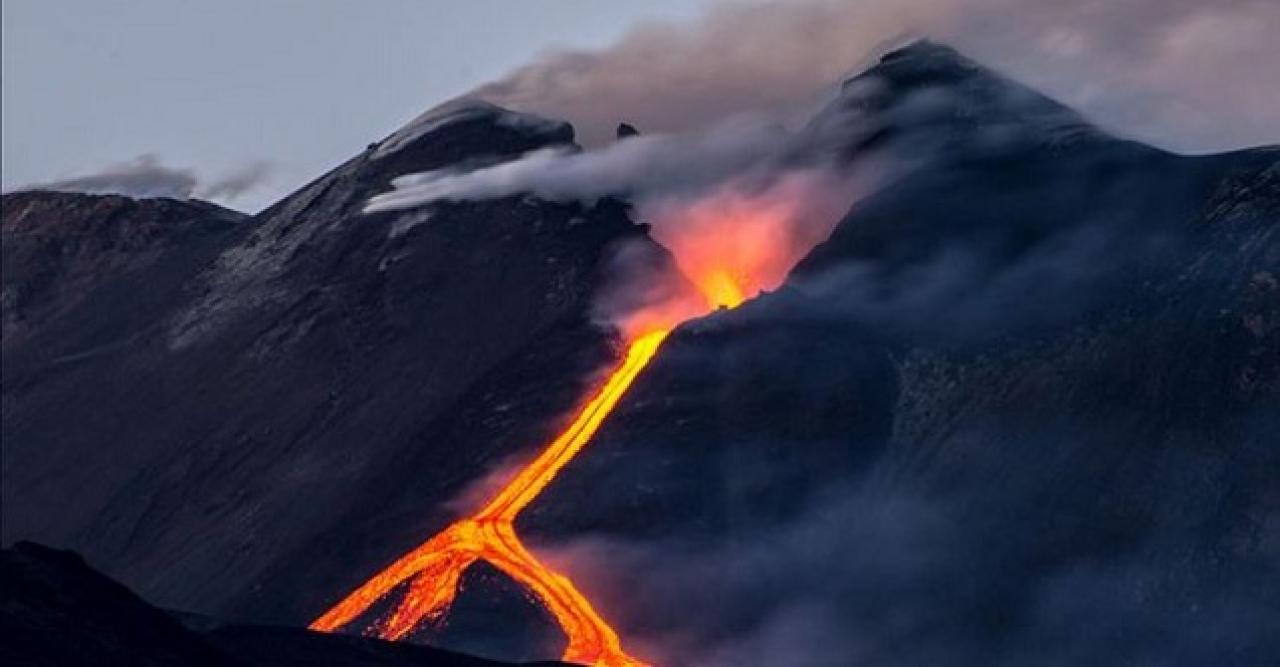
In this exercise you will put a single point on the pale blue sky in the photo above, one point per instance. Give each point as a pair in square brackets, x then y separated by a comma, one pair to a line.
[301, 83]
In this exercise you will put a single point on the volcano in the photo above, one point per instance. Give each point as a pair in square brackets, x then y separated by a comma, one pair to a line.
[1021, 402]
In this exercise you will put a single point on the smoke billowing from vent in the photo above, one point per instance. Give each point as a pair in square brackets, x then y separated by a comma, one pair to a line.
[736, 204]
[1150, 68]
[146, 176]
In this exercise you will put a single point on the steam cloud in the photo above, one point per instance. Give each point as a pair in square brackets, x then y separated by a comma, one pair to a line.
[1151, 68]
[146, 176]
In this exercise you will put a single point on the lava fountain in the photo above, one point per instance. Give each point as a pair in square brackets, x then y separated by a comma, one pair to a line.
[725, 244]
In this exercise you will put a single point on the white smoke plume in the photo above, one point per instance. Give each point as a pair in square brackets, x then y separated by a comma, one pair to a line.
[1186, 74]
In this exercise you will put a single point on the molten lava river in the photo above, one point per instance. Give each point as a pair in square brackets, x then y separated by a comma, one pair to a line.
[726, 246]
[435, 567]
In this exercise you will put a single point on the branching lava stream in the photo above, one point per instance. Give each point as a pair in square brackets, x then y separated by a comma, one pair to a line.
[435, 567]
[727, 244]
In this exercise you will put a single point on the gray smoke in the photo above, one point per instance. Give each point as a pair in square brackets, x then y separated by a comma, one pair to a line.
[1186, 74]
[236, 183]
[642, 165]
[146, 176]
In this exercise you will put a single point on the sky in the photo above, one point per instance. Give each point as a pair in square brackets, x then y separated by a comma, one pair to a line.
[299, 84]
[243, 101]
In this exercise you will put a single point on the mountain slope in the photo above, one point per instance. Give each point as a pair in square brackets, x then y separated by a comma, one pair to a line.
[73, 264]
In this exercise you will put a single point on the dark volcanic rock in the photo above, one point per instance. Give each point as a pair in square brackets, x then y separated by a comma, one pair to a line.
[757, 408]
[89, 268]
[57, 611]
[290, 647]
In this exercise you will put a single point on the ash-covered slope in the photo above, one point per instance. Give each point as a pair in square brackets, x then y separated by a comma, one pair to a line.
[202, 427]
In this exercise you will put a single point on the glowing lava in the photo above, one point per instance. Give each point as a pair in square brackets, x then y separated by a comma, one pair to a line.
[435, 567]
[727, 244]
[736, 240]
[722, 291]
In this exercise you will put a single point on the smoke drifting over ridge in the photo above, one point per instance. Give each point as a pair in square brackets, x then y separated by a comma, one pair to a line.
[644, 165]
[715, 98]
[736, 204]
[1148, 68]
[145, 176]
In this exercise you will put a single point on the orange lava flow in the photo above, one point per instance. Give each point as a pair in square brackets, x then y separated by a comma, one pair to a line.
[434, 568]
[728, 243]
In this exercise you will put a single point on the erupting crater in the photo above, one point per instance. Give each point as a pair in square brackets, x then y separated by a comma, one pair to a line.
[726, 245]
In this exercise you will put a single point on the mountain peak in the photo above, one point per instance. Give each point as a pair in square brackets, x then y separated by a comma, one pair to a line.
[467, 110]
[930, 93]
[924, 62]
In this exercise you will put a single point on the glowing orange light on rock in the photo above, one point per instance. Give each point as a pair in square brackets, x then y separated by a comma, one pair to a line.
[721, 290]
[733, 242]
[743, 237]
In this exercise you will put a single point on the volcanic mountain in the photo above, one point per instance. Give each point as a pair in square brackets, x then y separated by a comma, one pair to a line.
[1019, 407]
